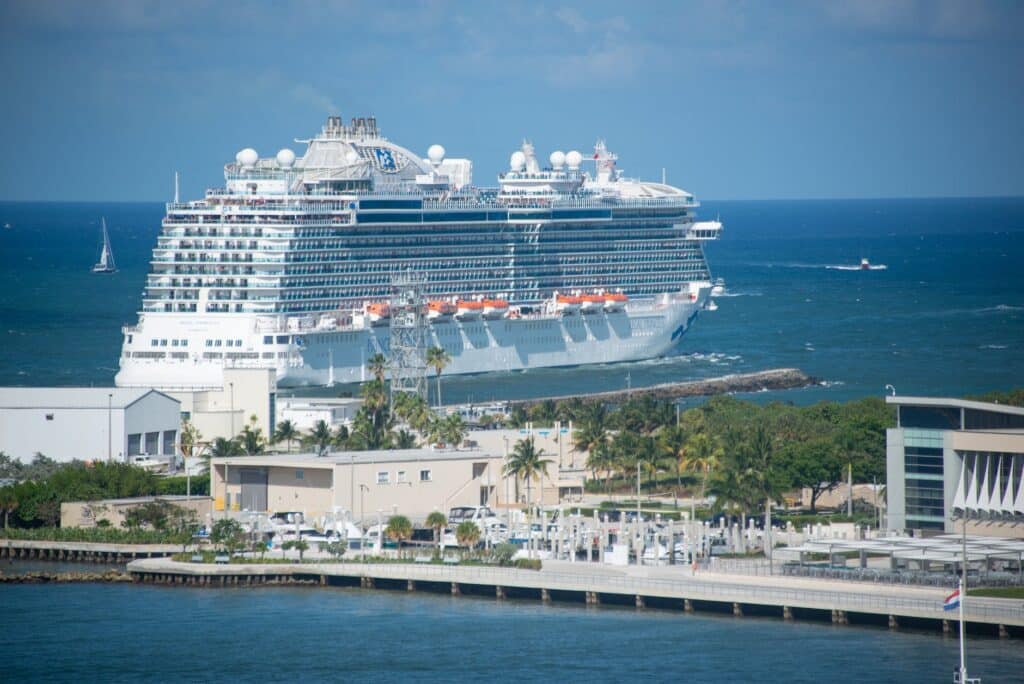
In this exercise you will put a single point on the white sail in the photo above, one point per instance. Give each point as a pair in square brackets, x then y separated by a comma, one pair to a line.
[960, 496]
[106, 262]
[984, 496]
[971, 500]
[1018, 504]
[1007, 504]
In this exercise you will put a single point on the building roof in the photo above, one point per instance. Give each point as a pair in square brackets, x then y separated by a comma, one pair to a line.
[360, 457]
[73, 397]
[955, 403]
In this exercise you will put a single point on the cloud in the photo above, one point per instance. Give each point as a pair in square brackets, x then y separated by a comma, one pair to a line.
[917, 19]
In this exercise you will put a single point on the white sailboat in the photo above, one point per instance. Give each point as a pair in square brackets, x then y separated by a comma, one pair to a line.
[106, 262]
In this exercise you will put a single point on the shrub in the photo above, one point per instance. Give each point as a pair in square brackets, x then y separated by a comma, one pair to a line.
[528, 563]
[503, 553]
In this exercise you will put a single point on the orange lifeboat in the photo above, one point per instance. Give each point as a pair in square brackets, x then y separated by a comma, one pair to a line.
[615, 301]
[567, 304]
[439, 310]
[379, 312]
[591, 303]
[495, 308]
[468, 309]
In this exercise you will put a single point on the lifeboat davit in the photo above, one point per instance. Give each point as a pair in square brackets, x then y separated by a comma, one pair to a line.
[440, 310]
[567, 304]
[468, 310]
[495, 308]
[379, 312]
[615, 301]
[591, 303]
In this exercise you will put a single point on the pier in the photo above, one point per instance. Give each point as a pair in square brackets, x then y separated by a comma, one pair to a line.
[774, 379]
[842, 603]
[82, 552]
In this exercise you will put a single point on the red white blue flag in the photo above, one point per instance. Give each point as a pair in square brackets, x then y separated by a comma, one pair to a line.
[952, 601]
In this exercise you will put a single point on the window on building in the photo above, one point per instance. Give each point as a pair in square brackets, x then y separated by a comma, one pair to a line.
[152, 443]
[478, 469]
[382, 477]
[268, 339]
[402, 479]
[424, 476]
[134, 444]
[168, 442]
[930, 417]
[300, 475]
[49, 416]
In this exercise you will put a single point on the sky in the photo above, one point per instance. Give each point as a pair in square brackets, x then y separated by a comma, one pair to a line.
[106, 99]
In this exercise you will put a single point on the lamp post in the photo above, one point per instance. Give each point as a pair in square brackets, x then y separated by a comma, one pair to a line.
[362, 540]
[508, 504]
[110, 422]
[231, 386]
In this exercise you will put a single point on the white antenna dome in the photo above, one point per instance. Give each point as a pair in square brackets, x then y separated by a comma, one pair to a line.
[285, 158]
[435, 154]
[574, 159]
[247, 158]
[517, 161]
[351, 156]
[557, 159]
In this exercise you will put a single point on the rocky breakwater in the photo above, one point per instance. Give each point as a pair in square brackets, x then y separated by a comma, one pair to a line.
[775, 379]
[37, 577]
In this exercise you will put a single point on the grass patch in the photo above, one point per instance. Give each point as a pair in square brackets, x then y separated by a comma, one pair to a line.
[998, 592]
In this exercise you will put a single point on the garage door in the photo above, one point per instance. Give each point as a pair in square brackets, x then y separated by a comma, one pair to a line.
[254, 489]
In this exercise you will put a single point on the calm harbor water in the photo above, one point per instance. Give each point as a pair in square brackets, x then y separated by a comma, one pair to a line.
[945, 317]
[116, 633]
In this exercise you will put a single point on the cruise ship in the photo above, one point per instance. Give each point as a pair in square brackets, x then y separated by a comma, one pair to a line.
[291, 264]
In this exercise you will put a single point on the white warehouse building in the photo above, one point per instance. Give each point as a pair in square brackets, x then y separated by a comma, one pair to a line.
[67, 423]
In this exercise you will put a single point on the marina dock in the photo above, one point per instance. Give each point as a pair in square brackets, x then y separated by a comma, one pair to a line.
[79, 552]
[670, 588]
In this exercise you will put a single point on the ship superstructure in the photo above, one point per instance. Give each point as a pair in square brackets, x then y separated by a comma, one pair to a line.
[290, 264]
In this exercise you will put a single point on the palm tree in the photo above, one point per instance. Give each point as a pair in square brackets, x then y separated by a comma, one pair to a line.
[251, 440]
[320, 437]
[527, 462]
[286, 432]
[593, 427]
[399, 528]
[701, 454]
[403, 439]
[8, 503]
[672, 442]
[467, 534]
[340, 437]
[437, 521]
[438, 358]
[378, 364]
[453, 429]
[223, 448]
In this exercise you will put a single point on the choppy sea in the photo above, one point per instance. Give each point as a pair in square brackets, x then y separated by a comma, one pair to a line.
[944, 317]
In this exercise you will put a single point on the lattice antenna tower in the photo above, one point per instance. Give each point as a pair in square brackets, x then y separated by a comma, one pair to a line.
[408, 358]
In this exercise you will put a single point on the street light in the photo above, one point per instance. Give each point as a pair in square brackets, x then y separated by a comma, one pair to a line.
[891, 390]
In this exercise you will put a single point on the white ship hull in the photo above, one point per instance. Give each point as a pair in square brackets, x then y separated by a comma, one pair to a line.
[324, 357]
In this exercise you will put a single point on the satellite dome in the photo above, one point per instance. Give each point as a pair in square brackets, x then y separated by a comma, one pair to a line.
[574, 159]
[518, 161]
[351, 156]
[435, 154]
[285, 158]
[247, 158]
[557, 159]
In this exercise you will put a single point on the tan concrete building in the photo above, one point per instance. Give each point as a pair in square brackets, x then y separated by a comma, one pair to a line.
[412, 482]
[224, 412]
[89, 513]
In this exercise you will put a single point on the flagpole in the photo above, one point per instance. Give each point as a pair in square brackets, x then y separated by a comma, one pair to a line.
[963, 595]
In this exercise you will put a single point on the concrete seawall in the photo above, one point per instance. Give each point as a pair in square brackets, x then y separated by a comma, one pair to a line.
[775, 379]
[787, 598]
[82, 552]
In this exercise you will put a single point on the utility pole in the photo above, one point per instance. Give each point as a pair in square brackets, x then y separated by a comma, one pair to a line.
[849, 489]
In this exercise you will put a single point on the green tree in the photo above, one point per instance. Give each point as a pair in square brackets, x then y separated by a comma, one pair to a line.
[701, 455]
[467, 534]
[300, 545]
[8, 503]
[378, 365]
[403, 439]
[438, 359]
[336, 549]
[286, 432]
[320, 438]
[437, 522]
[399, 529]
[223, 448]
[228, 534]
[191, 439]
[527, 462]
[251, 439]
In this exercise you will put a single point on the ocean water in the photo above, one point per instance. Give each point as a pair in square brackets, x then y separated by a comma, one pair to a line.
[119, 633]
[945, 317]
